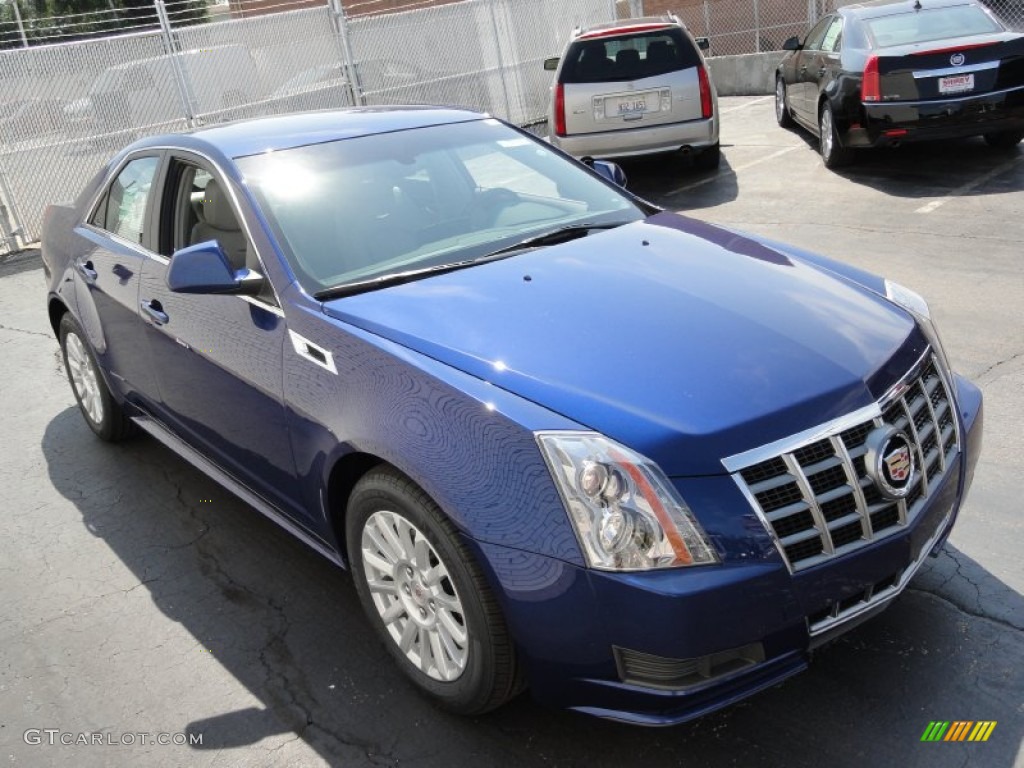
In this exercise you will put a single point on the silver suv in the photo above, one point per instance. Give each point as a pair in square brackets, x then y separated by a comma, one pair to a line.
[634, 87]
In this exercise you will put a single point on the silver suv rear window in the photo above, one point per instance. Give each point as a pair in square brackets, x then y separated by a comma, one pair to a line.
[628, 57]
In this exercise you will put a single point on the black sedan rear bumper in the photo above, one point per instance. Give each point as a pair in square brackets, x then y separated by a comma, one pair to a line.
[890, 123]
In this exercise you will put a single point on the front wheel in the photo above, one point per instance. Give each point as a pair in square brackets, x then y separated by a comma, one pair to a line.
[1004, 140]
[782, 115]
[102, 413]
[833, 153]
[426, 597]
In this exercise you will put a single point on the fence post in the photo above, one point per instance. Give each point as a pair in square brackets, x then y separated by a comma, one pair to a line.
[10, 221]
[180, 78]
[636, 8]
[501, 59]
[757, 27]
[21, 24]
[707, 21]
[341, 28]
[812, 12]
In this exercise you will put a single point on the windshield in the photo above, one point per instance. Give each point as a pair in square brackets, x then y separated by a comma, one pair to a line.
[929, 25]
[360, 209]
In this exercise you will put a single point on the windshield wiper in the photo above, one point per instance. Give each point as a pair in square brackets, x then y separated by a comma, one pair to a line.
[396, 278]
[554, 237]
[560, 235]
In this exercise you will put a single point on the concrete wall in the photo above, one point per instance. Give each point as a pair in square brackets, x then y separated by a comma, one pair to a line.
[747, 75]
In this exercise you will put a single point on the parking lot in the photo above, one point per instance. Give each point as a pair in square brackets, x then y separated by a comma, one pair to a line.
[139, 598]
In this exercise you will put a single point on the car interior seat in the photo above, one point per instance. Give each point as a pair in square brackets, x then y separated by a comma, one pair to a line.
[218, 222]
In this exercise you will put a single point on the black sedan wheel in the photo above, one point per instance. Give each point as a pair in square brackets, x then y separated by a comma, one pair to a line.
[426, 597]
[781, 105]
[1004, 140]
[102, 413]
[833, 153]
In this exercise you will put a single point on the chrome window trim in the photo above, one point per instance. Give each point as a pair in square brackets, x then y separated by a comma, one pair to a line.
[143, 151]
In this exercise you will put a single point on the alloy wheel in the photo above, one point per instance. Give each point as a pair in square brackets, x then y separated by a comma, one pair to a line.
[414, 595]
[84, 378]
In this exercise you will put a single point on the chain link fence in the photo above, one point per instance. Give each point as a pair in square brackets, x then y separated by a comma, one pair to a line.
[64, 109]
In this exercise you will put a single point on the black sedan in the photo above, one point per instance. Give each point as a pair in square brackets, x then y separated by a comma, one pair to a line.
[883, 73]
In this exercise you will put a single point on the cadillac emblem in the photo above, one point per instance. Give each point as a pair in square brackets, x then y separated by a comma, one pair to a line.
[889, 461]
[956, 59]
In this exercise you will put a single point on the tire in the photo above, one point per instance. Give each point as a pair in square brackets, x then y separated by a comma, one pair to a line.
[444, 626]
[708, 159]
[1004, 140]
[782, 114]
[102, 413]
[833, 154]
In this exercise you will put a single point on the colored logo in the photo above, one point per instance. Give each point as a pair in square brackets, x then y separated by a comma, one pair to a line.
[898, 464]
[889, 461]
[956, 59]
[958, 730]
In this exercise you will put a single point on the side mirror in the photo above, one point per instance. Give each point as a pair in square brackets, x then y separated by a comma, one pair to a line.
[703, 43]
[551, 64]
[611, 171]
[204, 268]
[792, 44]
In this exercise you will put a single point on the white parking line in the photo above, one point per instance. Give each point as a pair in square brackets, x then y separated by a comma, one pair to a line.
[733, 171]
[998, 170]
[747, 104]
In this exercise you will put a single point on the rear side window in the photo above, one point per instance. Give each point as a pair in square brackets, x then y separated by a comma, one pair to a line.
[628, 57]
[928, 25]
[122, 208]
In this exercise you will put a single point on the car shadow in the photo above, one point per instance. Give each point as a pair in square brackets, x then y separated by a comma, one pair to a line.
[287, 626]
[672, 181]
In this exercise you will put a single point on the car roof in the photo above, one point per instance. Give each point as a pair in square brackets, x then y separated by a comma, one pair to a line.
[640, 24]
[877, 8]
[250, 137]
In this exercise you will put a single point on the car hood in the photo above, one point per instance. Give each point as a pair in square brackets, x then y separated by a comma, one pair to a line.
[682, 340]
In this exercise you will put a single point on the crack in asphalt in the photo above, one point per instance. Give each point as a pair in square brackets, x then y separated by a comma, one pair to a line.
[998, 364]
[967, 611]
[12, 329]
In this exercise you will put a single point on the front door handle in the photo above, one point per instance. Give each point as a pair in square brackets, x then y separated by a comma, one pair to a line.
[87, 271]
[821, 72]
[155, 311]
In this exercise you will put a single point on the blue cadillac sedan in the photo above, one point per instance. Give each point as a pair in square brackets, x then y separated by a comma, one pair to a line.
[563, 440]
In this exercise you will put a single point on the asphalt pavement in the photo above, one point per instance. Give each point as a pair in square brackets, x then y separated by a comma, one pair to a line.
[140, 602]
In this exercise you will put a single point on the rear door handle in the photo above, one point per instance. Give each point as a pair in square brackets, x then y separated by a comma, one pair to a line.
[87, 271]
[155, 311]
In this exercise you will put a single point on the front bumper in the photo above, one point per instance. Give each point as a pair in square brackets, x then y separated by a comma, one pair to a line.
[642, 140]
[883, 124]
[695, 640]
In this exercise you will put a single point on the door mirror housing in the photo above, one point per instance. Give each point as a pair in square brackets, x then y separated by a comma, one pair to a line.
[792, 44]
[609, 170]
[703, 43]
[551, 64]
[204, 268]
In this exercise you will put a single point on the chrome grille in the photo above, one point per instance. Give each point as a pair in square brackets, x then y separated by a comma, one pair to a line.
[812, 490]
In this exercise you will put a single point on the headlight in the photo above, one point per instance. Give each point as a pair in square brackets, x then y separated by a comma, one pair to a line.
[626, 513]
[915, 304]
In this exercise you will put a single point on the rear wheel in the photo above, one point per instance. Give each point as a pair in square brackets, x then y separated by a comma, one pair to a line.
[782, 116]
[833, 154]
[102, 413]
[708, 159]
[1004, 139]
[426, 597]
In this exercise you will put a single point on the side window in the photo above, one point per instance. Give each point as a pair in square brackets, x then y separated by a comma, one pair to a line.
[833, 37]
[813, 40]
[122, 210]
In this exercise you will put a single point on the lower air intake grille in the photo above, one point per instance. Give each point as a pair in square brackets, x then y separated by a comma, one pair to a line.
[676, 674]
